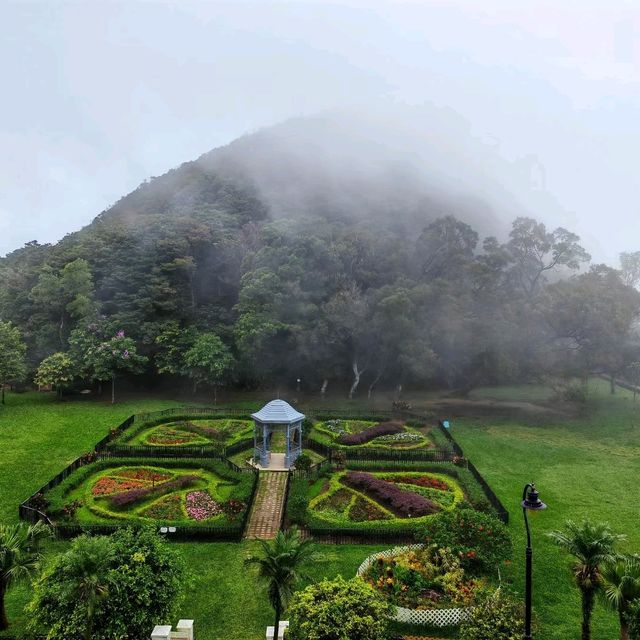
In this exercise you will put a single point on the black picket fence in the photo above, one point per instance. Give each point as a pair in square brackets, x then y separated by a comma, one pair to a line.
[347, 535]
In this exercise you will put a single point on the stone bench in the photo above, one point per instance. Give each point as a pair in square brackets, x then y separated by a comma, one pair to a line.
[184, 631]
[284, 624]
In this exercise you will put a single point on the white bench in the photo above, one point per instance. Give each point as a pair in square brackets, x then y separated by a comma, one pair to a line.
[184, 631]
[284, 624]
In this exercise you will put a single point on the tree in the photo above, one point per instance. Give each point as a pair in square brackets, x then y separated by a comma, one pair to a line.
[121, 584]
[280, 565]
[172, 342]
[592, 545]
[101, 358]
[209, 361]
[621, 586]
[20, 558]
[12, 353]
[338, 610]
[630, 267]
[498, 616]
[57, 370]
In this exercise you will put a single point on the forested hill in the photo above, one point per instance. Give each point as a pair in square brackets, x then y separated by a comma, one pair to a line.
[305, 263]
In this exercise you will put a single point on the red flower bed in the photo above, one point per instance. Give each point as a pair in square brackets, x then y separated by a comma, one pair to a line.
[121, 500]
[403, 503]
[364, 436]
[422, 481]
[146, 475]
[108, 485]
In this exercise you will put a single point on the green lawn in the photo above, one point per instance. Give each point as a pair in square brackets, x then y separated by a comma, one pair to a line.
[582, 466]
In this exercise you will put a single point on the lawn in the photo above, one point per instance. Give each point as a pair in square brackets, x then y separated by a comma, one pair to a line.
[583, 466]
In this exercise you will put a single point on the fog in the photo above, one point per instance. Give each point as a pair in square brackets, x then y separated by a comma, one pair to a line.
[509, 108]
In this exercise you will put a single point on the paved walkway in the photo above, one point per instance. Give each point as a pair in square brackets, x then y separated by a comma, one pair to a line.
[264, 521]
[276, 463]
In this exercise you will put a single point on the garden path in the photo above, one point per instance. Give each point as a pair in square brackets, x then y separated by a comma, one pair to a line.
[266, 514]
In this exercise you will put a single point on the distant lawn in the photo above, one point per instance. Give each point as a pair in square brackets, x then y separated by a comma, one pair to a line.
[583, 466]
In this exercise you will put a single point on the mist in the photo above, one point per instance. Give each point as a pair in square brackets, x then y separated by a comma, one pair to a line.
[493, 112]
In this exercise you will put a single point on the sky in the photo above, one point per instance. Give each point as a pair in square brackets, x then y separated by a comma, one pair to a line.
[99, 96]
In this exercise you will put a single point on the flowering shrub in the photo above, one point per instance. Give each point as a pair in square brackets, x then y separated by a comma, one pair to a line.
[168, 508]
[233, 508]
[423, 579]
[201, 506]
[69, 510]
[420, 481]
[335, 426]
[480, 540]
[146, 475]
[404, 436]
[120, 500]
[364, 436]
[403, 503]
[498, 616]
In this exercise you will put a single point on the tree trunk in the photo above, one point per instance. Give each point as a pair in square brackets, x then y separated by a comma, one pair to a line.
[399, 391]
[356, 378]
[215, 394]
[59, 392]
[113, 389]
[323, 388]
[624, 628]
[276, 624]
[4, 622]
[588, 596]
[373, 384]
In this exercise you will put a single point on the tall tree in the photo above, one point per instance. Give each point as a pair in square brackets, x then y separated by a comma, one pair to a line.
[209, 361]
[58, 371]
[280, 566]
[12, 355]
[592, 545]
[20, 558]
[630, 266]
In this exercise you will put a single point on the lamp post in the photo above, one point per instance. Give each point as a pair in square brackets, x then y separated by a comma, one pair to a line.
[530, 502]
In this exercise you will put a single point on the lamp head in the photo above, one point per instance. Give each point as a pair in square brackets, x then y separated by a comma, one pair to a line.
[532, 500]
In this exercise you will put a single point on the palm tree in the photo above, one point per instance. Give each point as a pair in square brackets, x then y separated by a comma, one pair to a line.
[621, 581]
[20, 558]
[279, 566]
[591, 545]
[86, 566]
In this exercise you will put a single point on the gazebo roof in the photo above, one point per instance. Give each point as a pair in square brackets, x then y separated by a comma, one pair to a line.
[277, 412]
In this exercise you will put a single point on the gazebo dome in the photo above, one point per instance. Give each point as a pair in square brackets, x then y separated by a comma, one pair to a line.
[277, 412]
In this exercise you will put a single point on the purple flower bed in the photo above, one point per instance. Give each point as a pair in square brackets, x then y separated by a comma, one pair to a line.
[364, 436]
[201, 506]
[127, 498]
[403, 503]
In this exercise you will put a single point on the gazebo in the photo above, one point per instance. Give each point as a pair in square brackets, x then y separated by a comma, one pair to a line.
[277, 416]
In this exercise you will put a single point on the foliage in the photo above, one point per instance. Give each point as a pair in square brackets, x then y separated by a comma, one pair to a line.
[209, 360]
[632, 618]
[280, 566]
[20, 558]
[404, 503]
[480, 540]
[57, 371]
[109, 587]
[498, 616]
[366, 435]
[621, 586]
[338, 610]
[303, 462]
[12, 355]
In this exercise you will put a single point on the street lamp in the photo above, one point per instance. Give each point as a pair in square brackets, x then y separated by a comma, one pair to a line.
[530, 502]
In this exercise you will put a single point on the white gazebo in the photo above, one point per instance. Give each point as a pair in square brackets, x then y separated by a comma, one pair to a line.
[277, 416]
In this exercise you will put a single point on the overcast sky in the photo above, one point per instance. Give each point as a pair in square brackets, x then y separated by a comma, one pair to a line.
[96, 97]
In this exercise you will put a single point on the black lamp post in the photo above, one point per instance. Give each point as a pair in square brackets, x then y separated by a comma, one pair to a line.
[530, 502]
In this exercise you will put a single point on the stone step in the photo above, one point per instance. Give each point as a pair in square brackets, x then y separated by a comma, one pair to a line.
[268, 506]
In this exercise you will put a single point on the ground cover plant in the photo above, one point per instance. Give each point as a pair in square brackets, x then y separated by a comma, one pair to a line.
[180, 491]
[370, 434]
[363, 499]
[218, 432]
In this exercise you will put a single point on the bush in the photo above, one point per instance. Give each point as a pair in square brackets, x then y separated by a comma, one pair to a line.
[297, 501]
[138, 579]
[481, 540]
[498, 617]
[401, 502]
[303, 462]
[632, 618]
[338, 610]
[364, 436]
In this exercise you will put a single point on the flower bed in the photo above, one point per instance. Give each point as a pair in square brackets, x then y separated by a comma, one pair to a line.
[181, 491]
[362, 499]
[427, 585]
[364, 436]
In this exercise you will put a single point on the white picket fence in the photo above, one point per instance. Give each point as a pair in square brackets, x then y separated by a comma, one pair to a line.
[434, 617]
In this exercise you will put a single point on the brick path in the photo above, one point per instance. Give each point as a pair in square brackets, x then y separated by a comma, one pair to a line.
[264, 521]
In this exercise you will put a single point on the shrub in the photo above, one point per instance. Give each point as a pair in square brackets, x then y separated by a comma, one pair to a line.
[136, 580]
[403, 503]
[297, 502]
[498, 616]
[303, 462]
[338, 610]
[481, 540]
[632, 618]
[364, 436]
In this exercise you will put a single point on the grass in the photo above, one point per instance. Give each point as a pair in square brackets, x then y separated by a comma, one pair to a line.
[584, 466]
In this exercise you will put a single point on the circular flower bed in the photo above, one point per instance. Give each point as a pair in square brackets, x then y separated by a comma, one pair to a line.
[426, 584]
